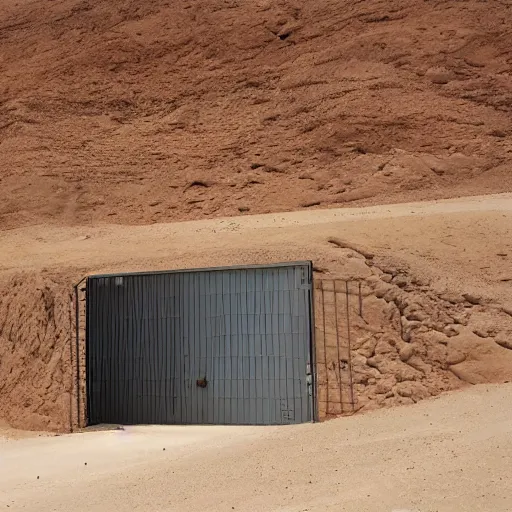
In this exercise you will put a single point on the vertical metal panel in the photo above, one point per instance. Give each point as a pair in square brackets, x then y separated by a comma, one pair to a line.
[245, 332]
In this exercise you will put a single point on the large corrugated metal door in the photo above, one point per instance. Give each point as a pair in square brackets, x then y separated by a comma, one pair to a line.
[219, 346]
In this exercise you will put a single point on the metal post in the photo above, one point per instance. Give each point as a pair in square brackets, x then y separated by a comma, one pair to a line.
[349, 348]
[360, 301]
[338, 344]
[325, 349]
[71, 362]
[77, 346]
[77, 350]
[312, 347]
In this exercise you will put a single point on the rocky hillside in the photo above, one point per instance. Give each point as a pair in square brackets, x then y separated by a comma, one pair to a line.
[387, 338]
[132, 112]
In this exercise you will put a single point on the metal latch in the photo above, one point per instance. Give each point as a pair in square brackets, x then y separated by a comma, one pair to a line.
[309, 379]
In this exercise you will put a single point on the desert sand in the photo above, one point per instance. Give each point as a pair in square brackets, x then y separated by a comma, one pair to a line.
[450, 454]
[460, 244]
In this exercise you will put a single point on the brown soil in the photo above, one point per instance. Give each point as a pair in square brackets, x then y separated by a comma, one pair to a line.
[35, 361]
[124, 111]
[407, 342]
[434, 313]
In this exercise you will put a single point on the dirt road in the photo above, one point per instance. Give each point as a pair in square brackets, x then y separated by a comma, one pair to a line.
[450, 454]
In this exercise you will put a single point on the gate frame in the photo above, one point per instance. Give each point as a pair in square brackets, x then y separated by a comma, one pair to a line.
[310, 386]
[75, 365]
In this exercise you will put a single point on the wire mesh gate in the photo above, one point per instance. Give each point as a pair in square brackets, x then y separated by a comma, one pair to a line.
[335, 302]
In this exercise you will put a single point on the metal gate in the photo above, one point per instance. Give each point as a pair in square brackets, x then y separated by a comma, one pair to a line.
[215, 346]
[337, 303]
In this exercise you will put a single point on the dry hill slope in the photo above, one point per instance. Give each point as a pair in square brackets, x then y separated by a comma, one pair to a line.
[133, 112]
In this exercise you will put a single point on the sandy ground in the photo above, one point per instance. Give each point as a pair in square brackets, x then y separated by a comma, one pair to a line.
[453, 453]
[7, 432]
[460, 244]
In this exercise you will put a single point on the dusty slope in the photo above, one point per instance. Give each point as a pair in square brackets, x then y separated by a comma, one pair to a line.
[415, 336]
[462, 245]
[453, 453]
[132, 112]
